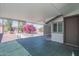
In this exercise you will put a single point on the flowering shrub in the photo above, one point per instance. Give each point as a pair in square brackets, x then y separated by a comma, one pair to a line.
[28, 28]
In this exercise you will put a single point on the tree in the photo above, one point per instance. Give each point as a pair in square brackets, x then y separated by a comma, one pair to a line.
[20, 26]
[28, 28]
[8, 25]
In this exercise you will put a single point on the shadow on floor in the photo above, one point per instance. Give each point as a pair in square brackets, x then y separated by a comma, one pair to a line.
[39, 46]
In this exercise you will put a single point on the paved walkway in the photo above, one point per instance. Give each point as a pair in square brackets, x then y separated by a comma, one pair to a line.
[9, 37]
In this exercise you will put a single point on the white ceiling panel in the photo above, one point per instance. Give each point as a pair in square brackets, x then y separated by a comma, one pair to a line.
[35, 12]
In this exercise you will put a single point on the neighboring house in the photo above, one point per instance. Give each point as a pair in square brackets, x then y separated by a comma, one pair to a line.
[64, 30]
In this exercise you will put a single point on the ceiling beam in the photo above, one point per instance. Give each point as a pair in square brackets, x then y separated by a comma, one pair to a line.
[53, 19]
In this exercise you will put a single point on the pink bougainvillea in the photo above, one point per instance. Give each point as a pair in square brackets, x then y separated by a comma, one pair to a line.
[28, 28]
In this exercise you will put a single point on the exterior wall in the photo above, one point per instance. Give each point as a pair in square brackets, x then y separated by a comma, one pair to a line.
[58, 37]
[47, 29]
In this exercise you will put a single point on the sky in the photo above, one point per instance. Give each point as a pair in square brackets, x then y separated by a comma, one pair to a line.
[14, 24]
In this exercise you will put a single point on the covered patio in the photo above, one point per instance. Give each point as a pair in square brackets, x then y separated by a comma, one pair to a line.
[48, 38]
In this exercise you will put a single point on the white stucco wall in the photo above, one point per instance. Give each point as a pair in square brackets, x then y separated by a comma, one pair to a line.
[58, 37]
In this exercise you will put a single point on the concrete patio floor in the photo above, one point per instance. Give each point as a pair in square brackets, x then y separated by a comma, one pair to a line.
[35, 46]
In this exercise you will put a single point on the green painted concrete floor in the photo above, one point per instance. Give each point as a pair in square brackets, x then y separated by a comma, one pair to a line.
[35, 46]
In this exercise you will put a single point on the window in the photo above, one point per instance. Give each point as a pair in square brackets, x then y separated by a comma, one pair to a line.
[55, 27]
[58, 27]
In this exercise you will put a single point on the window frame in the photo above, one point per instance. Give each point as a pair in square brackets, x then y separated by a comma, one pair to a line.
[57, 30]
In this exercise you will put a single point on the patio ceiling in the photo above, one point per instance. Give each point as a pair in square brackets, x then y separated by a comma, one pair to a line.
[38, 12]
